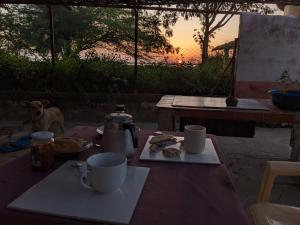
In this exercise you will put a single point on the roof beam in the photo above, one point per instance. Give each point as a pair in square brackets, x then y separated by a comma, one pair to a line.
[130, 3]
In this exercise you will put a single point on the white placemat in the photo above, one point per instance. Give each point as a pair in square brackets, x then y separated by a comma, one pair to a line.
[62, 194]
[208, 156]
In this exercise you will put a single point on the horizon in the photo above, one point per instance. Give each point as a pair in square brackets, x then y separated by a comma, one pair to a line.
[183, 38]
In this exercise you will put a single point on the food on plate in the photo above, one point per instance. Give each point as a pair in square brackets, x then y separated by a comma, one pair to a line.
[154, 148]
[64, 145]
[160, 139]
[171, 152]
[159, 142]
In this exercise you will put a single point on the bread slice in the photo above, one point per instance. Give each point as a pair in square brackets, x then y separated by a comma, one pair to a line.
[160, 138]
[67, 145]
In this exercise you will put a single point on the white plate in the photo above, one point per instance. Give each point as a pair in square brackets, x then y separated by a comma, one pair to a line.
[62, 194]
[208, 156]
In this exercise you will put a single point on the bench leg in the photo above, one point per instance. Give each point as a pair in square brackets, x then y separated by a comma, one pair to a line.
[166, 120]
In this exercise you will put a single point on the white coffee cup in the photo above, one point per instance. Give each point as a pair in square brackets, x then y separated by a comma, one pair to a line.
[105, 172]
[194, 138]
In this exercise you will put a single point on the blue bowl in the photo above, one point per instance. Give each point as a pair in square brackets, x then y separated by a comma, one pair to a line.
[289, 100]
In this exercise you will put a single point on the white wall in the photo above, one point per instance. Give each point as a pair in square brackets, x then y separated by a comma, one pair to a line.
[268, 45]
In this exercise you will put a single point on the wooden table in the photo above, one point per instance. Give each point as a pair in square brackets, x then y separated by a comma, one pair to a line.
[167, 114]
[174, 193]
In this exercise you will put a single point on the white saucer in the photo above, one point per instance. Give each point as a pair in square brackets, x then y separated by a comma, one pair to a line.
[100, 130]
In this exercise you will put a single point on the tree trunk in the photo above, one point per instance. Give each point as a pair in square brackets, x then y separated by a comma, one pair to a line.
[205, 40]
[204, 55]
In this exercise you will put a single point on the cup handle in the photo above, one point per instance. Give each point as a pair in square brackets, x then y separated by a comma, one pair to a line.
[85, 180]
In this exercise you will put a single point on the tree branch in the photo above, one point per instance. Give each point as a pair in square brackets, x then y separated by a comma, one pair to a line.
[213, 18]
[225, 19]
[225, 22]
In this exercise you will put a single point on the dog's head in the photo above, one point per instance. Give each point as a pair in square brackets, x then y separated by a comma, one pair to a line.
[36, 108]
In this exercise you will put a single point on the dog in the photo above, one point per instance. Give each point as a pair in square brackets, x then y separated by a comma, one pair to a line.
[42, 118]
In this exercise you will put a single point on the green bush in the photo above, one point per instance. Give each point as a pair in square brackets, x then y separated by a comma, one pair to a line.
[188, 80]
[104, 74]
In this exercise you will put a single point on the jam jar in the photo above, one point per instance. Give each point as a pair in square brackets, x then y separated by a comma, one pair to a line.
[42, 150]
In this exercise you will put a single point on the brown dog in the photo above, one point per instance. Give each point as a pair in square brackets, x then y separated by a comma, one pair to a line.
[43, 118]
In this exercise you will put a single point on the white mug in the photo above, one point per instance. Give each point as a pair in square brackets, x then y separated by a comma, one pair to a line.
[194, 138]
[105, 172]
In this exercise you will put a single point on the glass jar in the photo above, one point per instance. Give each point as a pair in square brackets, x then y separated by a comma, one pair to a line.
[42, 150]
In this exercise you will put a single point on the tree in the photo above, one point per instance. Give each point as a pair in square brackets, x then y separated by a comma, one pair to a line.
[25, 30]
[210, 22]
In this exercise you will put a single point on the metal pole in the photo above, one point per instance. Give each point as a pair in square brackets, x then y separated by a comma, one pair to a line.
[136, 21]
[51, 28]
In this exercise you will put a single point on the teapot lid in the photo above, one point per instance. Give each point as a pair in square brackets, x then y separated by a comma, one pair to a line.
[119, 116]
[42, 135]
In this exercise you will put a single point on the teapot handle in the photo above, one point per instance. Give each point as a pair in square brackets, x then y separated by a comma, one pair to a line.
[133, 132]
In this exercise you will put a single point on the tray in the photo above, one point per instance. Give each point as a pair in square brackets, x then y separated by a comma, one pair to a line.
[208, 156]
[62, 194]
[216, 103]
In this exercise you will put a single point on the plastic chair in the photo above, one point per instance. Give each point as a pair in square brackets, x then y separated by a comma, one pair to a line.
[266, 213]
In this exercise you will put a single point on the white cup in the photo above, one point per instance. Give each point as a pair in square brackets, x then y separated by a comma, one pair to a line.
[105, 172]
[194, 138]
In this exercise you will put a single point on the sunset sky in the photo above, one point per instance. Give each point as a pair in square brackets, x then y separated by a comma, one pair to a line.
[183, 36]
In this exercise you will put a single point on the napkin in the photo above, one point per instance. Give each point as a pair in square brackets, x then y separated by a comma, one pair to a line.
[21, 143]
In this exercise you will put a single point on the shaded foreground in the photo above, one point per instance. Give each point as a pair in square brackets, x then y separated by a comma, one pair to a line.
[245, 159]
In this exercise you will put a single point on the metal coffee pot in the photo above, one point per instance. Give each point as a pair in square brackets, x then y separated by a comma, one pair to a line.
[119, 134]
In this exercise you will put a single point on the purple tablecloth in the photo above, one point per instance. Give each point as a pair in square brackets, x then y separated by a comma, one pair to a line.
[174, 193]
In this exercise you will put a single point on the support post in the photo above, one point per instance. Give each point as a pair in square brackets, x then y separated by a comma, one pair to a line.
[51, 28]
[233, 72]
[295, 142]
[136, 24]
[231, 100]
